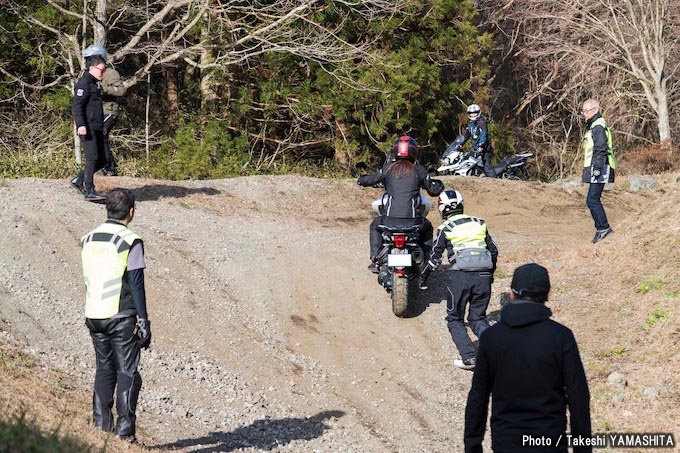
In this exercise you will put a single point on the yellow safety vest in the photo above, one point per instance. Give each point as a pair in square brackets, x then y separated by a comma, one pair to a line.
[105, 254]
[588, 144]
[467, 237]
[465, 232]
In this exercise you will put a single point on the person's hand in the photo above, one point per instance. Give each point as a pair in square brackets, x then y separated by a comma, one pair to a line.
[82, 130]
[143, 331]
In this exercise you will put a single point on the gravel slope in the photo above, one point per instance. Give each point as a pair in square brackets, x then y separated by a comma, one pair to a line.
[268, 331]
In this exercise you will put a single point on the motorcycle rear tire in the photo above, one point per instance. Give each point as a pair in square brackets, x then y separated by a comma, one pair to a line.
[399, 295]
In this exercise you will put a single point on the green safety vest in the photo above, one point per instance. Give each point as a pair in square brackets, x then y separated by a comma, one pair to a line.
[105, 254]
[588, 144]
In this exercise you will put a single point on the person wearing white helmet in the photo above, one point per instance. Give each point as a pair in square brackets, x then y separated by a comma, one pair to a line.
[89, 118]
[114, 90]
[476, 131]
[472, 255]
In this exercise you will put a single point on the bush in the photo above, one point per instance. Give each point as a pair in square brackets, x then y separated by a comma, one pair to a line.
[655, 158]
[195, 153]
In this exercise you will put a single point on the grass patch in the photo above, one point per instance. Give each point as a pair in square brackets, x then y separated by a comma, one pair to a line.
[21, 435]
[657, 316]
[615, 352]
[651, 284]
[499, 273]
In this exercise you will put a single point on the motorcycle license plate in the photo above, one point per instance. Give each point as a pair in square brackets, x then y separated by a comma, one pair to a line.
[398, 260]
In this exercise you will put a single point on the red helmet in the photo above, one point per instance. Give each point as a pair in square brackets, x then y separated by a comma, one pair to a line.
[405, 148]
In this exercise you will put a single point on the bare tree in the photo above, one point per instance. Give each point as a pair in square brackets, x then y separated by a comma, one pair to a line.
[627, 46]
[239, 30]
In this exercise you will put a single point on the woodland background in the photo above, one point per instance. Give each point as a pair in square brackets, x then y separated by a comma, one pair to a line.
[220, 88]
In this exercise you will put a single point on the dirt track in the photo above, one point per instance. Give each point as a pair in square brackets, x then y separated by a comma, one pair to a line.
[268, 331]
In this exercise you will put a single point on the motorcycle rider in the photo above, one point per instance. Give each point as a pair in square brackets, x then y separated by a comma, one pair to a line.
[403, 180]
[476, 131]
[472, 254]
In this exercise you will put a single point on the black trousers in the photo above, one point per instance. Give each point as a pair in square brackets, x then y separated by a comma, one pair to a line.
[118, 354]
[465, 288]
[93, 147]
[594, 203]
[425, 232]
[488, 166]
[109, 123]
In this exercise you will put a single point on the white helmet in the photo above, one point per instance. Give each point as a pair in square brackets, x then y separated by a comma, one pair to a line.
[473, 112]
[450, 201]
[95, 49]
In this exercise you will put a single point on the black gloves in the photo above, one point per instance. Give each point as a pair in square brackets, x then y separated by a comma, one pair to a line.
[143, 332]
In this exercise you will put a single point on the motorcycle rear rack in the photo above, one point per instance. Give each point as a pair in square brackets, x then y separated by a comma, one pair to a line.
[399, 229]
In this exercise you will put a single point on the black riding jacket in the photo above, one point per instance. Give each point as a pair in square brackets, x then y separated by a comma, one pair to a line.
[531, 368]
[403, 194]
[478, 135]
[87, 103]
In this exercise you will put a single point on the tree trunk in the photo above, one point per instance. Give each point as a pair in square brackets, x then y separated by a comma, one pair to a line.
[100, 22]
[664, 118]
[208, 93]
[341, 155]
[172, 89]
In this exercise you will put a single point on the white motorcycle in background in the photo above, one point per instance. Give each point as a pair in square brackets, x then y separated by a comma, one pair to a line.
[460, 163]
[466, 163]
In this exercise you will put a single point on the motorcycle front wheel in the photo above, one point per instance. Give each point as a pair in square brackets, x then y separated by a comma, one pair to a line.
[399, 295]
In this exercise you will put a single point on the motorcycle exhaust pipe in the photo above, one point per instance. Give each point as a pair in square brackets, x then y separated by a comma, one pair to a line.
[418, 256]
[385, 280]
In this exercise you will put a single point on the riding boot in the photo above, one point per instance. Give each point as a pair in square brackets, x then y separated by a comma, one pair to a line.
[92, 195]
[101, 413]
[126, 403]
[78, 182]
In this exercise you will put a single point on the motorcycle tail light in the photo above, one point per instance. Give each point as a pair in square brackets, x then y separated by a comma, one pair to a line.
[399, 240]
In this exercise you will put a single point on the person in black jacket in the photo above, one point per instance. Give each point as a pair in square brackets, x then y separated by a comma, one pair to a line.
[88, 114]
[530, 365]
[403, 180]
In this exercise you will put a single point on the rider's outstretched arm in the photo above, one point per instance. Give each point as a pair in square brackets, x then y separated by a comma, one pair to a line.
[371, 180]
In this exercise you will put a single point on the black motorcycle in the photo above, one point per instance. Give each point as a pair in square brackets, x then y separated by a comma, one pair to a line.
[514, 167]
[399, 261]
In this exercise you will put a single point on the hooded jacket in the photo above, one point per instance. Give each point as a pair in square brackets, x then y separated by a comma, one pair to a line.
[531, 367]
[114, 90]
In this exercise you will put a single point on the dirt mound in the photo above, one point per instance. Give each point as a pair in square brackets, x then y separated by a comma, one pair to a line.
[269, 332]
